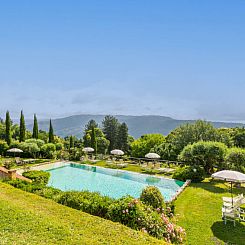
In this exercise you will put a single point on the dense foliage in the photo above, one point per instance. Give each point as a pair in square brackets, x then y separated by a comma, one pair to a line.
[193, 173]
[152, 196]
[205, 154]
[235, 159]
[145, 143]
[89, 202]
[38, 177]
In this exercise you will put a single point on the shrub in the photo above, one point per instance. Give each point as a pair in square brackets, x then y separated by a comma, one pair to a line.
[9, 164]
[58, 146]
[134, 214]
[38, 177]
[196, 174]
[152, 196]
[49, 192]
[235, 159]
[25, 186]
[89, 202]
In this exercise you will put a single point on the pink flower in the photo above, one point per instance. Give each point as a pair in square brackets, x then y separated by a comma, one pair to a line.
[123, 211]
[127, 211]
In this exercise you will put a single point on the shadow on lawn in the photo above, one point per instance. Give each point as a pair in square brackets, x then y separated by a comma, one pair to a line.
[228, 233]
[212, 186]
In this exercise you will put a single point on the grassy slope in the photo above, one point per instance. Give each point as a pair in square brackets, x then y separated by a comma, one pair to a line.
[29, 219]
[199, 207]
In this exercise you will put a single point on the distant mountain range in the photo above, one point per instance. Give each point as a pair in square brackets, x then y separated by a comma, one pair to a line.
[138, 125]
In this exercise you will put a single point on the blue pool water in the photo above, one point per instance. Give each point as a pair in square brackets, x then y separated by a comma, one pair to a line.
[109, 182]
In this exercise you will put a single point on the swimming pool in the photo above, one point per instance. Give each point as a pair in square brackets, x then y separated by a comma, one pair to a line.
[109, 182]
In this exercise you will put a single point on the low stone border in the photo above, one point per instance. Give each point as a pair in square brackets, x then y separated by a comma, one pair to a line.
[179, 191]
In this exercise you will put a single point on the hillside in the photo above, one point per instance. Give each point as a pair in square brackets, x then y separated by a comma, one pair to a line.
[138, 125]
[29, 219]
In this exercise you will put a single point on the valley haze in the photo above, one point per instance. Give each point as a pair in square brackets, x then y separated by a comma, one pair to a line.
[138, 125]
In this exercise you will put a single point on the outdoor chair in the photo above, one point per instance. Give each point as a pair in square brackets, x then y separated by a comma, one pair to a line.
[232, 211]
[18, 161]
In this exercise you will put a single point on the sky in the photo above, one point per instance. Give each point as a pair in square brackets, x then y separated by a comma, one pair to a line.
[184, 59]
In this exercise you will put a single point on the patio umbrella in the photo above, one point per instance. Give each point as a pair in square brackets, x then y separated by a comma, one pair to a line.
[152, 155]
[88, 149]
[14, 150]
[117, 152]
[230, 176]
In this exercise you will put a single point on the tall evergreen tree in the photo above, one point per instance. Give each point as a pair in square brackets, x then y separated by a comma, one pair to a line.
[22, 127]
[71, 144]
[91, 124]
[122, 137]
[110, 129]
[93, 140]
[51, 133]
[35, 128]
[8, 136]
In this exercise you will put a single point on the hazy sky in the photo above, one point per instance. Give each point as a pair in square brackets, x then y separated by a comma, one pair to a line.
[184, 59]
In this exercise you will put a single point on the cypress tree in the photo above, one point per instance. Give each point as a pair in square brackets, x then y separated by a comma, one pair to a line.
[8, 136]
[51, 133]
[71, 142]
[94, 140]
[35, 128]
[22, 127]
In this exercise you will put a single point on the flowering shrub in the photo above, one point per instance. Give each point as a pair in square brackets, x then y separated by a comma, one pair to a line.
[135, 214]
[152, 196]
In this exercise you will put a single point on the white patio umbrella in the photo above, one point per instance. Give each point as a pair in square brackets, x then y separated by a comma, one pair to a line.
[117, 152]
[230, 176]
[88, 149]
[152, 155]
[14, 150]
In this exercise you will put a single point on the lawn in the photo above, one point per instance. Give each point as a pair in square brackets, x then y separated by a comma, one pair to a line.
[130, 167]
[199, 209]
[29, 219]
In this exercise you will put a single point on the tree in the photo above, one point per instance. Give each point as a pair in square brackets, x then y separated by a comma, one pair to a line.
[71, 144]
[22, 128]
[102, 145]
[205, 154]
[235, 159]
[145, 143]
[122, 137]
[49, 150]
[35, 128]
[110, 129]
[191, 133]
[29, 148]
[8, 136]
[51, 133]
[93, 140]
[91, 124]
[3, 147]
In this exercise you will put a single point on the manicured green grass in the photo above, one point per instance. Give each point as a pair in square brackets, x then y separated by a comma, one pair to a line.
[130, 167]
[26, 218]
[199, 209]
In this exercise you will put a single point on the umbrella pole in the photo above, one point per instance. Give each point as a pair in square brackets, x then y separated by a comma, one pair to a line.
[231, 195]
